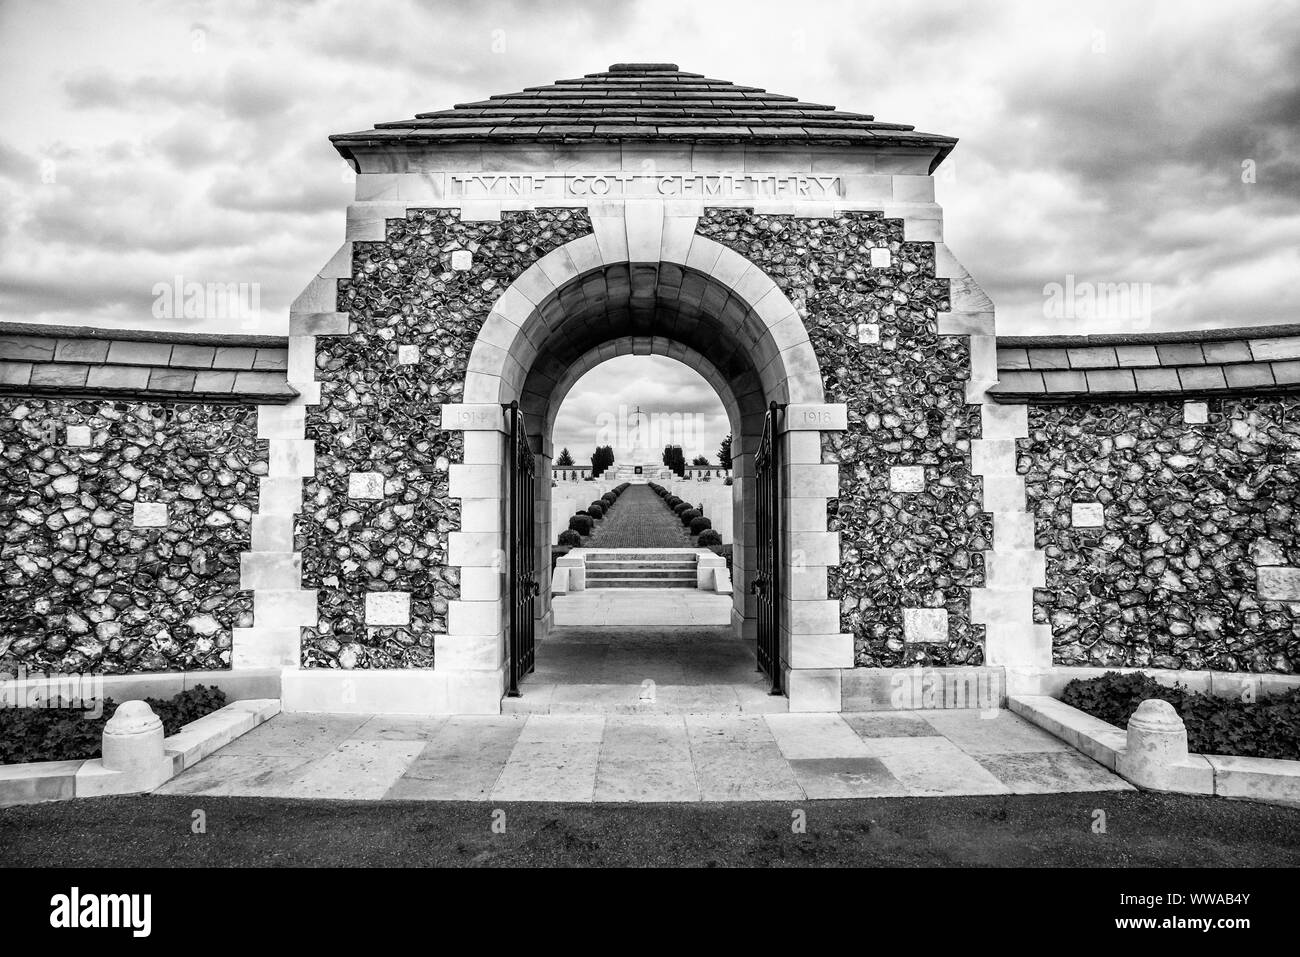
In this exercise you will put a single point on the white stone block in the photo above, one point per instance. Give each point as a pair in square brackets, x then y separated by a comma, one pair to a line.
[907, 478]
[1196, 413]
[927, 625]
[407, 354]
[880, 258]
[78, 436]
[149, 515]
[1278, 583]
[461, 260]
[1087, 515]
[366, 485]
[869, 333]
[388, 608]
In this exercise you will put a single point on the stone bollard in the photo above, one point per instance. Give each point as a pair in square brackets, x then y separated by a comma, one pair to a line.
[133, 740]
[1156, 757]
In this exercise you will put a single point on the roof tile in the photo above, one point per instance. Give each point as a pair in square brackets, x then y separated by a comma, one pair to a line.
[1110, 380]
[1199, 378]
[1049, 359]
[605, 105]
[1092, 357]
[1180, 354]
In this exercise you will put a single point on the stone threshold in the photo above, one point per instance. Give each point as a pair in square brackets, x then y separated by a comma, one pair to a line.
[40, 781]
[1267, 780]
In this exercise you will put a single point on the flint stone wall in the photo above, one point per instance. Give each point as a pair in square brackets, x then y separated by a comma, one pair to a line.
[875, 333]
[1192, 513]
[379, 415]
[85, 587]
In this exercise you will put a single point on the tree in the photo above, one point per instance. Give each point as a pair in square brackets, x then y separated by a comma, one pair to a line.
[601, 459]
[674, 459]
[565, 458]
[724, 452]
[700, 460]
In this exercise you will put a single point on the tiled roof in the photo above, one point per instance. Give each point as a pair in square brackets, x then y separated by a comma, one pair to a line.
[646, 101]
[1197, 363]
[60, 360]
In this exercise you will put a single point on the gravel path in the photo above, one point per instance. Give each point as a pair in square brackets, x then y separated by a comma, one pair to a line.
[639, 519]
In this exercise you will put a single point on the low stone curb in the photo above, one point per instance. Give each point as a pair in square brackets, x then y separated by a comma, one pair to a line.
[60, 780]
[1268, 780]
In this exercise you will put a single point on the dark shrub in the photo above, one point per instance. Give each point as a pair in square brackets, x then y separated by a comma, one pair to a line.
[708, 538]
[728, 481]
[596, 509]
[581, 524]
[1267, 728]
[689, 515]
[700, 524]
[681, 507]
[673, 501]
[66, 734]
[569, 538]
[609, 498]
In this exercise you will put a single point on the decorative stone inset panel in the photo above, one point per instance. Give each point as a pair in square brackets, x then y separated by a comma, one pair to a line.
[925, 625]
[388, 608]
[1184, 572]
[87, 589]
[149, 515]
[408, 355]
[380, 415]
[906, 400]
[1087, 515]
[880, 258]
[1196, 413]
[78, 436]
[907, 478]
[366, 485]
[1279, 583]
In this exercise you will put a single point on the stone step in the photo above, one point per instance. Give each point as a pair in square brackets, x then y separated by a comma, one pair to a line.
[627, 556]
[637, 572]
[639, 583]
[662, 566]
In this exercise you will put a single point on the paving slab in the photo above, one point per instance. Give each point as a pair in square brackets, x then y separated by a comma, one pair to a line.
[549, 771]
[877, 724]
[296, 735]
[827, 778]
[815, 736]
[247, 775]
[977, 731]
[384, 727]
[357, 770]
[1050, 772]
[462, 761]
[939, 771]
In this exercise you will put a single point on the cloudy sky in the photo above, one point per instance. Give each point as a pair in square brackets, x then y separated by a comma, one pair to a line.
[1152, 143]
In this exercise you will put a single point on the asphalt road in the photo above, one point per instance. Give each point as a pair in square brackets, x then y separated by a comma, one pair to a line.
[1141, 830]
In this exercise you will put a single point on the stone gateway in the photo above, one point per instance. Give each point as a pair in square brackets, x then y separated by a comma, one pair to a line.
[327, 518]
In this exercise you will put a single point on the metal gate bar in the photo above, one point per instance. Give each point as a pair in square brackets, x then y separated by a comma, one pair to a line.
[767, 583]
[521, 540]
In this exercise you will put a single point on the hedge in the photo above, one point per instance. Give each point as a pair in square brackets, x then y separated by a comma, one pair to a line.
[1267, 728]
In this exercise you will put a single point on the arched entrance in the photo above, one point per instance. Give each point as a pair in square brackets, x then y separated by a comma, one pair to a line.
[643, 282]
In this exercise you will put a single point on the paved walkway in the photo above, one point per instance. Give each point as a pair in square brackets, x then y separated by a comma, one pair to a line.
[639, 519]
[644, 757]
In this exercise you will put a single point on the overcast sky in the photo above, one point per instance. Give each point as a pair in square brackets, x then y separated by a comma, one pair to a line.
[1151, 143]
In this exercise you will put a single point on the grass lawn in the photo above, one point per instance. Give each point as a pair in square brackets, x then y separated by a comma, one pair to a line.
[1142, 829]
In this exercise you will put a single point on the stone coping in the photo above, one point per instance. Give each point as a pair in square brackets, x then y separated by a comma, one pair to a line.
[77, 362]
[1268, 780]
[59, 780]
[1200, 363]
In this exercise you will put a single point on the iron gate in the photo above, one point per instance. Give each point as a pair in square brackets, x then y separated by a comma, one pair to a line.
[521, 541]
[767, 583]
